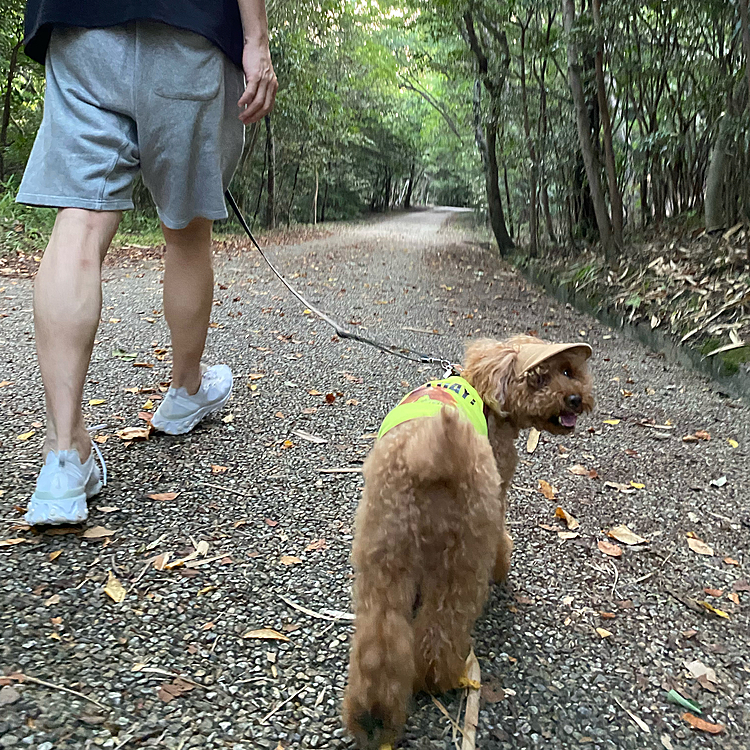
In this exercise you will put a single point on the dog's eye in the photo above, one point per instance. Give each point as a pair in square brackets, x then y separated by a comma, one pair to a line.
[568, 372]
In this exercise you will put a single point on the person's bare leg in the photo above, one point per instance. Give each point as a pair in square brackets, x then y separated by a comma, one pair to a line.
[188, 296]
[67, 308]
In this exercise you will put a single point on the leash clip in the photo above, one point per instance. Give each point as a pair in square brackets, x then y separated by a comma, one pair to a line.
[449, 369]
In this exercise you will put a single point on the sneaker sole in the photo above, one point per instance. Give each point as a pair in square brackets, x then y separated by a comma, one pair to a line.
[181, 426]
[57, 511]
[47, 511]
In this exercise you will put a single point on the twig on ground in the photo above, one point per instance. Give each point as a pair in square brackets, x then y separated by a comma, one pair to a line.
[443, 710]
[617, 576]
[471, 717]
[283, 703]
[340, 616]
[26, 678]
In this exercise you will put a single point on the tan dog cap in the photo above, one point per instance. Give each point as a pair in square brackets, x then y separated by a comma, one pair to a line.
[532, 355]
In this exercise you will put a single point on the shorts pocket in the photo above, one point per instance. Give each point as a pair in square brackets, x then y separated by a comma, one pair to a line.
[187, 66]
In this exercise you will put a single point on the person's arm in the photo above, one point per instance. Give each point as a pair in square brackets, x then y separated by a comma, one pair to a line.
[260, 80]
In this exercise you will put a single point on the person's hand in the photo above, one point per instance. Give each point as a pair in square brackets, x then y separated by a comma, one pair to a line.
[260, 82]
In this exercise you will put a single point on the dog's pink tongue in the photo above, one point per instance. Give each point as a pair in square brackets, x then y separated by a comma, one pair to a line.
[568, 420]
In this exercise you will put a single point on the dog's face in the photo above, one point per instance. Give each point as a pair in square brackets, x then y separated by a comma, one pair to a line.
[549, 396]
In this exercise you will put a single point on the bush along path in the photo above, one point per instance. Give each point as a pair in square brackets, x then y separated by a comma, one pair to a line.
[687, 294]
[205, 602]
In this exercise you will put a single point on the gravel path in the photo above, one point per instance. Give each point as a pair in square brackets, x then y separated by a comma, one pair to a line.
[278, 528]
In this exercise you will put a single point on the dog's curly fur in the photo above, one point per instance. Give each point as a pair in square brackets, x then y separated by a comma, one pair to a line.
[430, 532]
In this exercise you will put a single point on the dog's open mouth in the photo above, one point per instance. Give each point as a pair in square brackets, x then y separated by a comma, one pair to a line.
[566, 419]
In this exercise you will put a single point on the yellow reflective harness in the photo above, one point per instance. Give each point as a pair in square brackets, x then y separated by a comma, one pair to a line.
[430, 398]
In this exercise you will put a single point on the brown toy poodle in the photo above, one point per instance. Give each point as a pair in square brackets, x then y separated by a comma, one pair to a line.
[430, 529]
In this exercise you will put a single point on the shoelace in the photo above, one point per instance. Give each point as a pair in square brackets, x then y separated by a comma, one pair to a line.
[95, 447]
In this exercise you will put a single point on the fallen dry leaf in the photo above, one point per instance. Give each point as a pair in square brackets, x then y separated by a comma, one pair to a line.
[582, 471]
[733, 443]
[228, 419]
[330, 398]
[26, 435]
[547, 489]
[567, 535]
[699, 546]
[698, 669]
[731, 561]
[279, 415]
[714, 610]
[54, 599]
[713, 592]
[613, 550]
[12, 542]
[96, 401]
[733, 597]
[135, 433]
[623, 534]
[266, 634]
[612, 421]
[107, 508]
[114, 589]
[533, 440]
[270, 522]
[318, 544]
[705, 726]
[217, 469]
[54, 555]
[289, 560]
[97, 532]
[171, 690]
[163, 496]
[603, 632]
[570, 522]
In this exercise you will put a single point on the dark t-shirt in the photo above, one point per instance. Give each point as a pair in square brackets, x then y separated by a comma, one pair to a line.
[217, 20]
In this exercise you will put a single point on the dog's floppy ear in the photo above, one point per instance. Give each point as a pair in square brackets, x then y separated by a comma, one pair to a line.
[489, 366]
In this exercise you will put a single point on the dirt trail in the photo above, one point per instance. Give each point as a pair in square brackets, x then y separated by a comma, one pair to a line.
[279, 529]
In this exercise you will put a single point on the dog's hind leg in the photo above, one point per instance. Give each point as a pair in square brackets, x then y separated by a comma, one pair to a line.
[381, 665]
[452, 597]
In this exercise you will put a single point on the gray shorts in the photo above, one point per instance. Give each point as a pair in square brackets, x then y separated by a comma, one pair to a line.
[145, 96]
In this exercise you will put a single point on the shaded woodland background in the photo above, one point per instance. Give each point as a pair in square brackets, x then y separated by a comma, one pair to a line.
[564, 122]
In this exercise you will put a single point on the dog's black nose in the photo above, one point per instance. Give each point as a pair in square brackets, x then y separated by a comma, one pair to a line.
[574, 401]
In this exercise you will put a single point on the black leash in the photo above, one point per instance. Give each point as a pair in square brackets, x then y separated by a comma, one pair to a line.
[397, 351]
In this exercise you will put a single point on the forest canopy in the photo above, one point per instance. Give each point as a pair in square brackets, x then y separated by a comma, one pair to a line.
[561, 121]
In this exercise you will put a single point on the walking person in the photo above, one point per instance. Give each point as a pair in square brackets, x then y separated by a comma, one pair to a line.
[153, 86]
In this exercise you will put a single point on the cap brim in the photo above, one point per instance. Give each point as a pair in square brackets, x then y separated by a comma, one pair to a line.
[533, 355]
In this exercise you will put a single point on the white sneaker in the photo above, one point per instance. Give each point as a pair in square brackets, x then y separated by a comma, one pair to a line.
[179, 412]
[62, 488]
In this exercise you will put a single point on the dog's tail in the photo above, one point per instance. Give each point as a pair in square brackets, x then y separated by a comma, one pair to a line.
[445, 450]
[381, 675]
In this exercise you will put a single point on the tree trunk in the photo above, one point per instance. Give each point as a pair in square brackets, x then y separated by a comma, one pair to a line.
[745, 42]
[547, 214]
[314, 212]
[325, 203]
[584, 135]
[294, 186]
[615, 199]
[533, 231]
[271, 195]
[486, 139]
[410, 186]
[507, 200]
[715, 178]
[7, 102]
